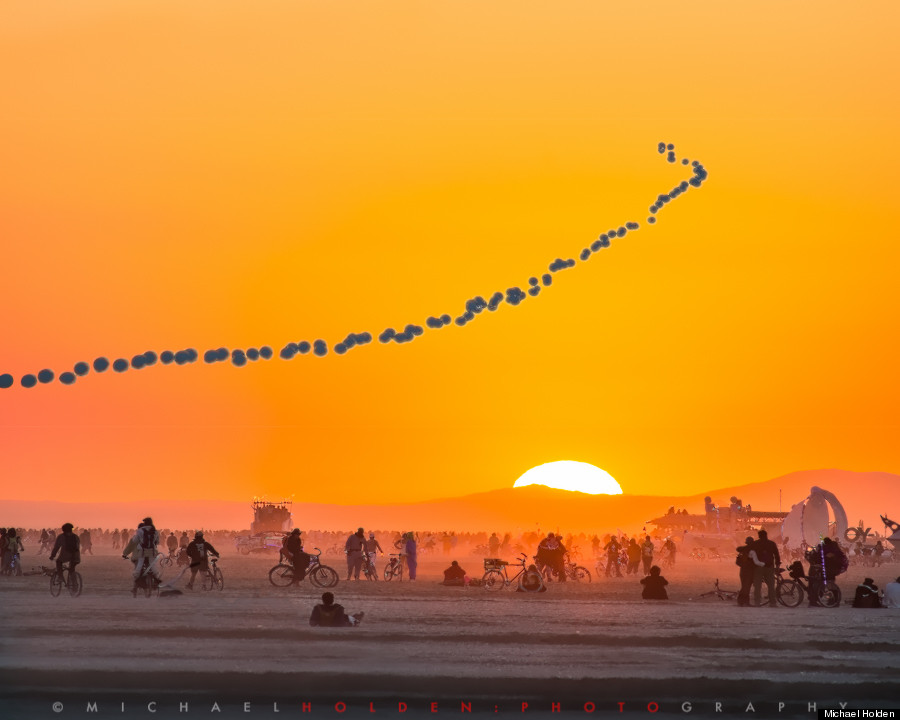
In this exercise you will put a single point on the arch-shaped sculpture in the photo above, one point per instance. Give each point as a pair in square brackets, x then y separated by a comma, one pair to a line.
[808, 521]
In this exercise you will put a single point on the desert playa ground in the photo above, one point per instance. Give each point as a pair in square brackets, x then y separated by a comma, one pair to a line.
[595, 646]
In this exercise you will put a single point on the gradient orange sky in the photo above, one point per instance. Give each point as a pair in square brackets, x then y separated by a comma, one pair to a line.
[237, 174]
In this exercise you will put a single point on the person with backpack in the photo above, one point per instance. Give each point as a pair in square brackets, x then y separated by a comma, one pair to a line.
[826, 562]
[765, 557]
[199, 551]
[142, 548]
[746, 565]
[68, 546]
[867, 595]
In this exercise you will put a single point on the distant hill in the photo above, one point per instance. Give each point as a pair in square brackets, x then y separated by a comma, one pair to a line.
[865, 495]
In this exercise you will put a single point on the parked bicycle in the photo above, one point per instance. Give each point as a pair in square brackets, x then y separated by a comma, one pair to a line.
[791, 591]
[394, 568]
[69, 578]
[496, 576]
[720, 593]
[282, 575]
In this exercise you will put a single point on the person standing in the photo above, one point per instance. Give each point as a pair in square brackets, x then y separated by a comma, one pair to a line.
[199, 551]
[371, 547]
[634, 557]
[647, 554]
[355, 547]
[85, 539]
[765, 557]
[172, 544]
[411, 561]
[746, 572]
[892, 594]
[612, 557]
[142, 548]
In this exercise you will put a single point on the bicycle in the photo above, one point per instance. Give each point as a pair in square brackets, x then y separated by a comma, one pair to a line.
[147, 579]
[69, 578]
[576, 572]
[394, 568]
[168, 560]
[497, 578]
[721, 593]
[369, 567]
[213, 579]
[13, 565]
[282, 575]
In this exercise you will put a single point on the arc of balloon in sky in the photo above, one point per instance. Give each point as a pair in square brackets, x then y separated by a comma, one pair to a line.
[473, 307]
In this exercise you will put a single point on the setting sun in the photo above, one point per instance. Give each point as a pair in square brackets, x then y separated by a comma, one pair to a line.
[571, 475]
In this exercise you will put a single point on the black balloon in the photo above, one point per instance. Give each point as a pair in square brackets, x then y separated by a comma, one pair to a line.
[81, 368]
[6, 380]
[45, 376]
[29, 381]
[67, 378]
[101, 364]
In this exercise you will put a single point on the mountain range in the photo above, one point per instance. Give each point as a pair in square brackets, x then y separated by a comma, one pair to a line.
[864, 495]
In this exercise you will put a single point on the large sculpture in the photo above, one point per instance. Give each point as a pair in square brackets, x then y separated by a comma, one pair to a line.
[808, 521]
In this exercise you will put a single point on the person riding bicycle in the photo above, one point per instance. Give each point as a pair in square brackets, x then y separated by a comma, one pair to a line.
[13, 547]
[142, 548]
[198, 551]
[293, 549]
[371, 547]
[68, 545]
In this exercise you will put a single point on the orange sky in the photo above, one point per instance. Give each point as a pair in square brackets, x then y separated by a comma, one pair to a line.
[222, 174]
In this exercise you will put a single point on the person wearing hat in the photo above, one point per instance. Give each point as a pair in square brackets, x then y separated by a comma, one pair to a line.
[199, 550]
[293, 549]
[355, 547]
[867, 595]
[68, 546]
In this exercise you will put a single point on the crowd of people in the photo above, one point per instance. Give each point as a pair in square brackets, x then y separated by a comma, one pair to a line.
[759, 559]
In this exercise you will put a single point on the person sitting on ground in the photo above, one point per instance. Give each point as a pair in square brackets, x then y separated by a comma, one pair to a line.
[892, 594]
[654, 585]
[330, 614]
[454, 575]
[867, 595]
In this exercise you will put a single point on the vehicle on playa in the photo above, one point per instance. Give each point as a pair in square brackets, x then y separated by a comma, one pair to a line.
[271, 523]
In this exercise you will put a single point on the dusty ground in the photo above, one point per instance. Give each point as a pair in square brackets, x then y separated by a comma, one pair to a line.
[423, 643]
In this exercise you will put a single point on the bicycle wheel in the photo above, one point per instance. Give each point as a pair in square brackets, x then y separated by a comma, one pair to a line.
[219, 580]
[56, 583]
[531, 581]
[830, 596]
[151, 585]
[281, 575]
[324, 577]
[165, 561]
[494, 580]
[789, 593]
[74, 583]
[389, 571]
[581, 574]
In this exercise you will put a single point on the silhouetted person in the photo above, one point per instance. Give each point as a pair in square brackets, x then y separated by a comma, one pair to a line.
[293, 548]
[68, 547]
[867, 595]
[454, 575]
[199, 551]
[612, 557]
[647, 554]
[411, 555]
[764, 554]
[746, 571]
[330, 614]
[86, 543]
[634, 557]
[355, 547]
[654, 585]
[826, 561]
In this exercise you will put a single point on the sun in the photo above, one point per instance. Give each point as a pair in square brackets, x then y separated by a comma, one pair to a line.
[571, 475]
